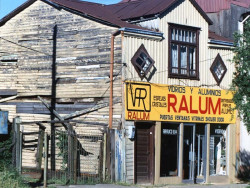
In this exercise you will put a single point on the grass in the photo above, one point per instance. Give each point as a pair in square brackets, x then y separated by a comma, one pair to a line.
[11, 179]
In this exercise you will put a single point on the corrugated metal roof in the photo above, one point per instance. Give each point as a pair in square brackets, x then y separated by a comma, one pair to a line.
[94, 10]
[210, 6]
[213, 36]
[135, 9]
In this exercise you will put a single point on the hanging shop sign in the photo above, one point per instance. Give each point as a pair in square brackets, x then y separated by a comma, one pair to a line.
[156, 102]
[3, 122]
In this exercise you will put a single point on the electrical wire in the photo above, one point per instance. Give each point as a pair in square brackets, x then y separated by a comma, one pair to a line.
[26, 47]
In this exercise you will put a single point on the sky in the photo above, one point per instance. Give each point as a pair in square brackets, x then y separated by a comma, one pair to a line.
[6, 6]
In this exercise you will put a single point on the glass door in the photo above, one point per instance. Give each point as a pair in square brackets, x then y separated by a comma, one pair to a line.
[189, 155]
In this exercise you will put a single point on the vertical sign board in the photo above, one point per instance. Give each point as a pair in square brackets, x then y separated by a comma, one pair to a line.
[3, 122]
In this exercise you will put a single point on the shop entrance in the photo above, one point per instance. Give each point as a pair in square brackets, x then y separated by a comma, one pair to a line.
[194, 153]
[144, 153]
[189, 152]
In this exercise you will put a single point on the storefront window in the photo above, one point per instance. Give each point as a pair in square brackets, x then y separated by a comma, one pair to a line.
[217, 160]
[169, 149]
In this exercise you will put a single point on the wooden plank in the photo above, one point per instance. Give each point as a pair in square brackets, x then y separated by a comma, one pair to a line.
[45, 160]
[40, 149]
[66, 126]
[85, 111]
[8, 92]
[8, 98]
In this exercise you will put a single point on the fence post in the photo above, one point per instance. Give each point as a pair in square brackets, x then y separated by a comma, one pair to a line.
[75, 159]
[21, 152]
[18, 143]
[14, 143]
[104, 157]
[40, 149]
[45, 156]
[70, 153]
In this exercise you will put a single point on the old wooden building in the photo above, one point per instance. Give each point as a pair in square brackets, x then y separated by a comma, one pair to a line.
[163, 75]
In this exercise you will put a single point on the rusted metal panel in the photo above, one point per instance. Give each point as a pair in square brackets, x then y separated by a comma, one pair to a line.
[148, 8]
[210, 6]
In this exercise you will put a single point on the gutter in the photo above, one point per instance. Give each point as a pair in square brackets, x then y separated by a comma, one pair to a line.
[219, 42]
[142, 33]
[111, 77]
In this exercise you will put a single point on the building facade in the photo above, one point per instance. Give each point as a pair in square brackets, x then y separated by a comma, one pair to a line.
[173, 145]
[163, 74]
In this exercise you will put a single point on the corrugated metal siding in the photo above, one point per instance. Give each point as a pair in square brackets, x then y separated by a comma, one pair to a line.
[184, 14]
[210, 6]
[227, 56]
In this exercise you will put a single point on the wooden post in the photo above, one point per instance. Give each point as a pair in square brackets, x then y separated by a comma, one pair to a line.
[39, 149]
[112, 154]
[20, 153]
[45, 156]
[100, 161]
[70, 153]
[104, 157]
[14, 143]
[108, 158]
[18, 142]
[75, 159]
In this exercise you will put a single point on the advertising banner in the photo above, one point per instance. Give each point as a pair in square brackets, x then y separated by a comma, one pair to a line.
[156, 102]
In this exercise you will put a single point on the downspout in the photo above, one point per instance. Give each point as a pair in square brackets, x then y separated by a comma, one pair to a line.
[111, 78]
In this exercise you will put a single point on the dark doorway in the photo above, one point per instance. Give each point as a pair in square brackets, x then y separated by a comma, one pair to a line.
[194, 153]
[189, 152]
[169, 149]
[144, 153]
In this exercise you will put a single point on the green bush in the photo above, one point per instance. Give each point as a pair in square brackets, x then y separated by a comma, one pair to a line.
[11, 179]
[6, 151]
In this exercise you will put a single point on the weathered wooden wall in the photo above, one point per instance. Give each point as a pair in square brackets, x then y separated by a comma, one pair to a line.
[82, 67]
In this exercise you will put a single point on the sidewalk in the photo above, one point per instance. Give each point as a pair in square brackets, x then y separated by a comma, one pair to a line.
[151, 186]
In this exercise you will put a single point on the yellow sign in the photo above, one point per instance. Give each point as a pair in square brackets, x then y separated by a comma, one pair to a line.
[155, 102]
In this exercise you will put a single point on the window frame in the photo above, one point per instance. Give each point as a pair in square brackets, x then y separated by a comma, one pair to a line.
[218, 58]
[187, 44]
[137, 67]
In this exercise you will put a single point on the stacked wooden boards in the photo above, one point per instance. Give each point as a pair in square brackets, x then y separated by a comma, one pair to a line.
[81, 70]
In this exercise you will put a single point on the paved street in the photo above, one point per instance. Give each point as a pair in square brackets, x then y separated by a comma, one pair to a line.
[165, 186]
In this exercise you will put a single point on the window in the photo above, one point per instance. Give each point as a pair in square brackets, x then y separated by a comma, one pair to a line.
[218, 69]
[183, 50]
[142, 61]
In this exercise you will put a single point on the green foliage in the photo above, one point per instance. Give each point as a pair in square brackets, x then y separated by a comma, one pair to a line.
[6, 154]
[241, 80]
[62, 144]
[10, 178]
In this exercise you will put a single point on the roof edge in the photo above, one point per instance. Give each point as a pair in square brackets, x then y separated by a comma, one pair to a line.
[16, 11]
[142, 32]
[57, 6]
[220, 42]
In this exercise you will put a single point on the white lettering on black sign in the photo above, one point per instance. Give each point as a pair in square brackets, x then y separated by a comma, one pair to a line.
[169, 131]
[219, 131]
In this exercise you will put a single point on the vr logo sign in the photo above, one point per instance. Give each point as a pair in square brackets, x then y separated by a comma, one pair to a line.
[138, 97]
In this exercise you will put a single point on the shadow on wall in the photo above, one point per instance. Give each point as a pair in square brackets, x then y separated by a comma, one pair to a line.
[243, 158]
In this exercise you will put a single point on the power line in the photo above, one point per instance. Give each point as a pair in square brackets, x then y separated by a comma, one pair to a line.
[29, 48]
[106, 89]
